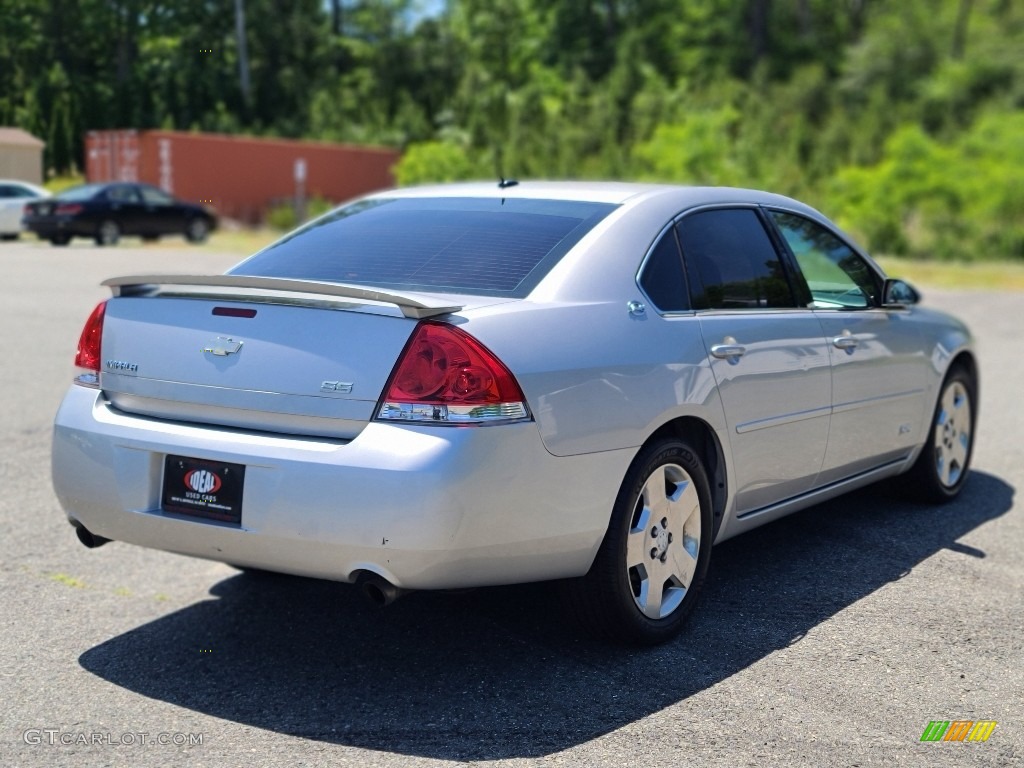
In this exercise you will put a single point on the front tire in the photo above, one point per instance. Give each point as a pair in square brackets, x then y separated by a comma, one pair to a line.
[650, 569]
[941, 470]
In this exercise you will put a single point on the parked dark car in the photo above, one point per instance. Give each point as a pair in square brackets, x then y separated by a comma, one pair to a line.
[105, 212]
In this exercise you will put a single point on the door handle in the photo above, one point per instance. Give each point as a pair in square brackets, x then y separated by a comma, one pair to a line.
[849, 343]
[728, 351]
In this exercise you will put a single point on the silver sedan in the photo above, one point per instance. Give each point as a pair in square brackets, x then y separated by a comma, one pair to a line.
[485, 384]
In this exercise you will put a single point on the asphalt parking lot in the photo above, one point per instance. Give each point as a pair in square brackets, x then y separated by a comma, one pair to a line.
[832, 637]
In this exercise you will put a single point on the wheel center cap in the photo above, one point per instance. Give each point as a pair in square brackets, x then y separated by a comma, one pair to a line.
[662, 541]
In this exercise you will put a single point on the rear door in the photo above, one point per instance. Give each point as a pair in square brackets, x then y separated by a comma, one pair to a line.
[769, 357]
[124, 206]
[161, 213]
[878, 365]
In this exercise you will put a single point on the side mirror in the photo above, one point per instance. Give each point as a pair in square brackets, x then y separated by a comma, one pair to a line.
[899, 293]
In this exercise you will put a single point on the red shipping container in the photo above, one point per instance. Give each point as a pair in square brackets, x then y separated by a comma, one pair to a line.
[241, 177]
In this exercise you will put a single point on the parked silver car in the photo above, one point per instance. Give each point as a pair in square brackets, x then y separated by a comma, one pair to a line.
[484, 384]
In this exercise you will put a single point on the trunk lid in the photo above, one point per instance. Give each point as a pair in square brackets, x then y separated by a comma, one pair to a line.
[253, 358]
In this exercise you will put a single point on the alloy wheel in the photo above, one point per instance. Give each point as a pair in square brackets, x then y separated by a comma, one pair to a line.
[952, 433]
[664, 541]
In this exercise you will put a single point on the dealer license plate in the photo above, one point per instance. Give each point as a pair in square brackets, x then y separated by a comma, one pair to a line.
[204, 489]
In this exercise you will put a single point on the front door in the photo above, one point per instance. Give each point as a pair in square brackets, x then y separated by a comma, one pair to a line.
[879, 403]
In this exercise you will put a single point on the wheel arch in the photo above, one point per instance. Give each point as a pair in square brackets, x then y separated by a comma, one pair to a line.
[965, 359]
[701, 436]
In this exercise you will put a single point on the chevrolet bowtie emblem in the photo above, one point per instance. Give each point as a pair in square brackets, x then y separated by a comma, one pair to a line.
[222, 346]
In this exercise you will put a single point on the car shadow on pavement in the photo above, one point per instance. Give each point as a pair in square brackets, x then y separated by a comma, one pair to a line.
[500, 673]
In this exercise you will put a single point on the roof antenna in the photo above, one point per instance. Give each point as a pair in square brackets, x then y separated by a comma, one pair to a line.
[504, 183]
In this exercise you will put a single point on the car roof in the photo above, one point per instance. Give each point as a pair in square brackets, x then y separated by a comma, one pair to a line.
[615, 192]
[23, 183]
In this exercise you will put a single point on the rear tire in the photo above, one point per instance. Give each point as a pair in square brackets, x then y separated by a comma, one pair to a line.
[60, 239]
[650, 569]
[941, 470]
[108, 233]
[197, 230]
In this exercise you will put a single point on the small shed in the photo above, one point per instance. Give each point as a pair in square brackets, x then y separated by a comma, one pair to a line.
[21, 155]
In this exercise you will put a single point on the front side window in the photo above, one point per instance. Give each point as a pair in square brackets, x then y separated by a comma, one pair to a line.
[836, 275]
[731, 261]
[154, 196]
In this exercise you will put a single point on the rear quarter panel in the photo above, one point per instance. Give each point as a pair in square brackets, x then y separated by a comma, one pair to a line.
[597, 378]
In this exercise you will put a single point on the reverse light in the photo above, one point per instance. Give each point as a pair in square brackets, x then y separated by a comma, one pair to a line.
[445, 376]
[89, 348]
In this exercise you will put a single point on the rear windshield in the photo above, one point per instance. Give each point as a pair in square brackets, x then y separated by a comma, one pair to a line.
[83, 192]
[492, 247]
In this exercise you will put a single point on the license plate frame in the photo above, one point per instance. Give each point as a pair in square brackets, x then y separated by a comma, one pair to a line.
[204, 489]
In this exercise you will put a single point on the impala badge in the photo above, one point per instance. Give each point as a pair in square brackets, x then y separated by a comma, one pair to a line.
[222, 346]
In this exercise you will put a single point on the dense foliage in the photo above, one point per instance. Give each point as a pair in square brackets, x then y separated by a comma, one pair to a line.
[905, 118]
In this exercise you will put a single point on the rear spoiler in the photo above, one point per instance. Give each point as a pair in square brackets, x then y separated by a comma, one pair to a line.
[149, 285]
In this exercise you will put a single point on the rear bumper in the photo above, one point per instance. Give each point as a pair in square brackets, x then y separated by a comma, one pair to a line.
[48, 227]
[424, 507]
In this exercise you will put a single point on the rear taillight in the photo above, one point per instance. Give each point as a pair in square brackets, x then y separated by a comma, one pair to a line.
[69, 209]
[89, 348]
[445, 376]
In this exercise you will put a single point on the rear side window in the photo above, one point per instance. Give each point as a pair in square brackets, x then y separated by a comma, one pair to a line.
[457, 245]
[731, 261]
[662, 277]
[122, 194]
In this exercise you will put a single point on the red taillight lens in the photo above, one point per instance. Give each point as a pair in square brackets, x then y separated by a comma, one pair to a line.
[88, 355]
[69, 209]
[445, 375]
